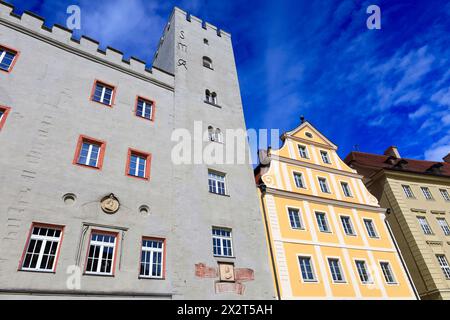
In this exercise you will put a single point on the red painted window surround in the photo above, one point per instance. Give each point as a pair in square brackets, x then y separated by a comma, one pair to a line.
[164, 257]
[6, 111]
[108, 233]
[146, 100]
[43, 225]
[101, 156]
[146, 155]
[17, 53]
[113, 87]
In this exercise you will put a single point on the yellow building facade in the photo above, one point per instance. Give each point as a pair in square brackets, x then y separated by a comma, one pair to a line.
[326, 234]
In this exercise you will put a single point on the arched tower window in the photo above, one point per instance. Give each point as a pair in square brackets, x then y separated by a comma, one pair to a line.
[208, 97]
[219, 137]
[207, 62]
[214, 98]
[211, 134]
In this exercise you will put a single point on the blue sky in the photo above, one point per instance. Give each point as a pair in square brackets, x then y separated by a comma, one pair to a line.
[369, 88]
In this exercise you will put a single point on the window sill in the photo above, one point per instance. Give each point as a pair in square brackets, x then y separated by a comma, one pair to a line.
[98, 275]
[150, 278]
[103, 104]
[225, 257]
[213, 104]
[87, 166]
[37, 271]
[222, 195]
[139, 178]
[310, 281]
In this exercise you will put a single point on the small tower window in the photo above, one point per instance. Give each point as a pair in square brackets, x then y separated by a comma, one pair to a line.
[215, 134]
[208, 97]
[214, 97]
[205, 41]
[207, 62]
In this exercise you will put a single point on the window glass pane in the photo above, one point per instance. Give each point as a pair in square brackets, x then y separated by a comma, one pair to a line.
[6, 59]
[306, 269]
[222, 242]
[40, 255]
[101, 254]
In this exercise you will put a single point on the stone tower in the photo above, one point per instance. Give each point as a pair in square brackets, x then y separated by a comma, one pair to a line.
[207, 92]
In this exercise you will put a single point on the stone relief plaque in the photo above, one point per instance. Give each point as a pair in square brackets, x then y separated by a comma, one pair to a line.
[226, 271]
[110, 204]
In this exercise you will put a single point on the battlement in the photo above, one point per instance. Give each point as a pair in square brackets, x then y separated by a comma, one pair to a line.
[202, 24]
[33, 25]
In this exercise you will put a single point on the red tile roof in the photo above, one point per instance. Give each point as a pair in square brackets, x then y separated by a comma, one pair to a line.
[402, 164]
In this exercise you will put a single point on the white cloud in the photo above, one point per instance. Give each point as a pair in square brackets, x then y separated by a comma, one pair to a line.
[439, 149]
[419, 113]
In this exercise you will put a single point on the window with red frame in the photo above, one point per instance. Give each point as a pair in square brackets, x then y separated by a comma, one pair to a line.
[7, 58]
[103, 93]
[144, 108]
[89, 152]
[3, 114]
[138, 164]
[152, 258]
[42, 248]
[101, 254]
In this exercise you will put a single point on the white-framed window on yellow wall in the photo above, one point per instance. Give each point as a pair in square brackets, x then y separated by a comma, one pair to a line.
[323, 183]
[325, 157]
[303, 151]
[307, 269]
[299, 180]
[346, 189]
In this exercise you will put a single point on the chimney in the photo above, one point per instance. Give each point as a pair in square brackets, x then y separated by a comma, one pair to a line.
[447, 158]
[392, 152]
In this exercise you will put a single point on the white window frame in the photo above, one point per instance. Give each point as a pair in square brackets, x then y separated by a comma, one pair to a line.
[44, 240]
[424, 225]
[374, 229]
[445, 194]
[352, 227]
[302, 179]
[104, 86]
[408, 191]
[216, 181]
[443, 263]
[88, 156]
[427, 193]
[325, 155]
[367, 270]
[151, 251]
[444, 226]
[340, 269]
[311, 262]
[102, 245]
[327, 223]
[305, 148]
[145, 104]
[300, 218]
[3, 55]
[221, 241]
[139, 158]
[326, 184]
[347, 192]
[389, 269]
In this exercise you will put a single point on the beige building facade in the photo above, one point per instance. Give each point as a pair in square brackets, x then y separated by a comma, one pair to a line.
[417, 195]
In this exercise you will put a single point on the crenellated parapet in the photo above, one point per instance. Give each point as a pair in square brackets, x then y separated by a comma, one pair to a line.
[33, 25]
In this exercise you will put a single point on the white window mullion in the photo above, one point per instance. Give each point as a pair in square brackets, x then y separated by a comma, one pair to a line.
[102, 97]
[89, 154]
[100, 259]
[2, 56]
[136, 170]
[41, 254]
